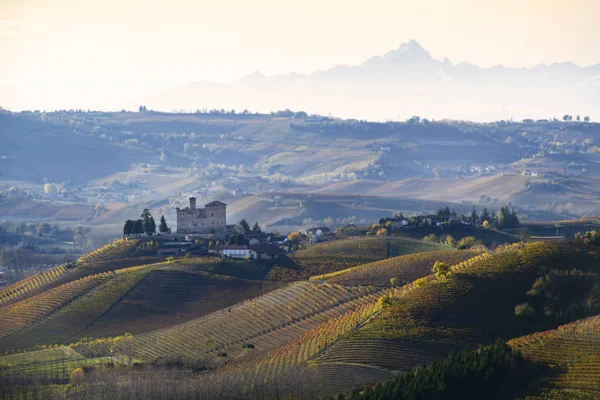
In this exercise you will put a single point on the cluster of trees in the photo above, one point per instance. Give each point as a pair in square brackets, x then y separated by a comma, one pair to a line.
[568, 117]
[237, 239]
[563, 295]
[244, 227]
[588, 238]
[289, 114]
[80, 235]
[506, 218]
[490, 373]
[466, 242]
[243, 231]
[145, 225]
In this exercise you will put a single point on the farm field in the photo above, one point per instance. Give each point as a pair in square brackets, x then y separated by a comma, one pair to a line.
[341, 254]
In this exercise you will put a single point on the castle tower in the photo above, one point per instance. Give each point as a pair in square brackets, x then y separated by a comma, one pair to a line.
[210, 219]
[216, 215]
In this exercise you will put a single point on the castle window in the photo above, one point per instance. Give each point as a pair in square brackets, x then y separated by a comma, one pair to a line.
[212, 214]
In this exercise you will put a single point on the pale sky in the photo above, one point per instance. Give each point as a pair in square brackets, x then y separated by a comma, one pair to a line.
[78, 49]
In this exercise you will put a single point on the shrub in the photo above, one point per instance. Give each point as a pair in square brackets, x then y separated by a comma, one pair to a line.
[450, 241]
[248, 346]
[466, 243]
[385, 301]
[170, 259]
[524, 310]
[221, 354]
[77, 376]
[589, 238]
[420, 282]
[382, 232]
[440, 269]
[393, 281]
[430, 238]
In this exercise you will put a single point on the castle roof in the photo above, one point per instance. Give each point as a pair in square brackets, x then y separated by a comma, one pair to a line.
[215, 203]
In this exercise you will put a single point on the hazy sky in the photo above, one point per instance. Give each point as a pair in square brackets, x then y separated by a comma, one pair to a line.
[78, 49]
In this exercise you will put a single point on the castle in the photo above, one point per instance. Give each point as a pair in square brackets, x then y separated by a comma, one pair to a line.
[210, 219]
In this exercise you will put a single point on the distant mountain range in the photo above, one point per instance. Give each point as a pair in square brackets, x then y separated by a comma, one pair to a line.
[397, 85]
[401, 83]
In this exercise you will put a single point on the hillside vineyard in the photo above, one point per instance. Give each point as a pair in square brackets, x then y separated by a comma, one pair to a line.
[358, 325]
[384, 223]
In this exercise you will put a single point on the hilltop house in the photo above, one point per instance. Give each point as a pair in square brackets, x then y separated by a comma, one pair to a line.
[399, 222]
[210, 219]
[173, 248]
[315, 231]
[263, 251]
[438, 220]
[280, 241]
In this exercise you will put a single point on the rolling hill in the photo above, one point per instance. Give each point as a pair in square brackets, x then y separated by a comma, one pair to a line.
[571, 355]
[334, 332]
[405, 269]
[341, 254]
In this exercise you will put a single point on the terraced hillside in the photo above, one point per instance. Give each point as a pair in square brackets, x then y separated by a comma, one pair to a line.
[29, 284]
[404, 269]
[166, 297]
[571, 354]
[68, 323]
[345, 328]
[26, 313]
[341, 254]
[265, 322]
[136, 299]
[118, 249]
[117, 255]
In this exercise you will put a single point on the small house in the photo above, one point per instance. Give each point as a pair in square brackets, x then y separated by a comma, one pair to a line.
[399, 222]
[173, 248]
[262, 251]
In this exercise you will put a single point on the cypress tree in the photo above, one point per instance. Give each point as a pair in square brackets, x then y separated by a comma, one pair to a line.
[163, 228]
[128, 227]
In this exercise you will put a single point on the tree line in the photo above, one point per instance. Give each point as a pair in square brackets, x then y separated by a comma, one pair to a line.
[145, 225]
[243, 230]
[494, 372]
[505, 218]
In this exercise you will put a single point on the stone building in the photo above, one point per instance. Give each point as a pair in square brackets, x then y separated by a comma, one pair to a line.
[210, 219]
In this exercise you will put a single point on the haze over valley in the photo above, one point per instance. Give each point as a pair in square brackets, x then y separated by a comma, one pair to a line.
[401, 202]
